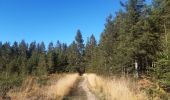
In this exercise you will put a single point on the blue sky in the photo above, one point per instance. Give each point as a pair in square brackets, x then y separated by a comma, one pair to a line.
[52, 20]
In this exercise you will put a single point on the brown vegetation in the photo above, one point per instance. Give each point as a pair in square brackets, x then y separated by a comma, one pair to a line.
[56, 88]
[115, 89]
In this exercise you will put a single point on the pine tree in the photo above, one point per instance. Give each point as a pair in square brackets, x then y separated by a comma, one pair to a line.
[59, 52]
[42, 64]
[79, 41]
[80, 47]
[51, 59]
[15, 49]
[41, 48]
[33, 60]
[14, 68]
[73, 54]
[42, 60]
[89, 52]
[23, 57]
[32, 48]
[50, 47]
[23, 49]
[160, 16]
[6, 52]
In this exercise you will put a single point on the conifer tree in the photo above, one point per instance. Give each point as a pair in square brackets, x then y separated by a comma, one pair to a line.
[80, 47]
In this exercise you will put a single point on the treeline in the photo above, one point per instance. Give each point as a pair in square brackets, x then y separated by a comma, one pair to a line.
[34, 59]
[136, 40]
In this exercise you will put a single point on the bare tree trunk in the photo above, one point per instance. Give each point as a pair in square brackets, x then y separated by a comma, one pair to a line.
[136, 69]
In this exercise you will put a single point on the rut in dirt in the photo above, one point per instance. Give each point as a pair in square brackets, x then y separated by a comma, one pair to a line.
[80, 91]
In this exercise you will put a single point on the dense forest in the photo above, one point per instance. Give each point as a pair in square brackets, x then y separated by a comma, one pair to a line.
[134, 42]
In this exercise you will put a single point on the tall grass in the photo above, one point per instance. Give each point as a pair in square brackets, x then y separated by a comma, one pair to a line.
[56, 88]
[114, 89]
[62, 87]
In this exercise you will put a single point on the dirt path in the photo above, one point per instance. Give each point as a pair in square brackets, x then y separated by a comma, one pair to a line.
[89, 94]
[81, 91]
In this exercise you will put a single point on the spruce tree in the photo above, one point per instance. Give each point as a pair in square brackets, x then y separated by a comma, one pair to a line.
[80, 47]
[89, 52]
[73, 54]
[51, 59]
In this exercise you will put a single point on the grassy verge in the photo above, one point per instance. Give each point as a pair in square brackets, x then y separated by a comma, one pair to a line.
[108, 88]
[53, 87]
[62, 87]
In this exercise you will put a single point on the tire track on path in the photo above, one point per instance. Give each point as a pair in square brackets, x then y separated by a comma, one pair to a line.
[81, 91]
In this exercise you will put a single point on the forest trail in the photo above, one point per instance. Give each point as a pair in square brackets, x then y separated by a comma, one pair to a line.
[81, 91]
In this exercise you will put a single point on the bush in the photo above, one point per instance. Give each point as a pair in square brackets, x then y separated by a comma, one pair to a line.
[6, 83]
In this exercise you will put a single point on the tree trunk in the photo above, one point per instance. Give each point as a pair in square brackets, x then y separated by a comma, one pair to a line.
[136, 69]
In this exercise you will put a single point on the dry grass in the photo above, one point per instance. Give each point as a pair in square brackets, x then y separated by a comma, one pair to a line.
[56, 88]
[115, 89]
[62, 87]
